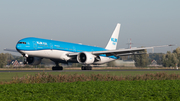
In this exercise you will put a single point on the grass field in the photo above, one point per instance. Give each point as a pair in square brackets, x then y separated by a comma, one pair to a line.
[141, 90]
[152, 90]
[7, 76]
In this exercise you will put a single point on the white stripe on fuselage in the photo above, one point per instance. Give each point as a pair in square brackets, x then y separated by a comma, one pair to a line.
[61, 55]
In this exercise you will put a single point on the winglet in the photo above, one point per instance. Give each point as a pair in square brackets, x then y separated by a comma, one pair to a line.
[114, 38]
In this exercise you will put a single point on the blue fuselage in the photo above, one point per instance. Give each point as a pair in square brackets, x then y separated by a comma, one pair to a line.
[38, 44]
[34, 44]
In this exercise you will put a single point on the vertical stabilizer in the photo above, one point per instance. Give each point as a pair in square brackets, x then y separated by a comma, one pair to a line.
[114, 38]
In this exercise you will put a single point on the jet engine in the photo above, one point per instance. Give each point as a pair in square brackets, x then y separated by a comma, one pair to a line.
[85, 58]
[33, 60]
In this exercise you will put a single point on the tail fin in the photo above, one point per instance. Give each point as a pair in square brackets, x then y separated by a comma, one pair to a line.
[114, 38]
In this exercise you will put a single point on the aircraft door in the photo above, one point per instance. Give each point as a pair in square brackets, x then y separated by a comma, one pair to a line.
[74, 49]
[51, 46]
[34, 45]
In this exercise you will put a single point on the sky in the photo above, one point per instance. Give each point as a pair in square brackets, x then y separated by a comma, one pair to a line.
[91, 22]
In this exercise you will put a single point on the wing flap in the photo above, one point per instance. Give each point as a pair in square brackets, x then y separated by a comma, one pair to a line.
[120, 51]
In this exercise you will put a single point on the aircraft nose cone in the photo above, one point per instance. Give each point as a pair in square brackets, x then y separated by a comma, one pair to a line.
[18, 47]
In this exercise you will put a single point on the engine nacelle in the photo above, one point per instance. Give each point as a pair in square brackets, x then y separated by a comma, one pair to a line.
[34, 60]
[86, 58]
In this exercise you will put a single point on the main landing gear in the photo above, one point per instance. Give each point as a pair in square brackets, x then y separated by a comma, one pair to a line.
[57, 67]
[86, 68]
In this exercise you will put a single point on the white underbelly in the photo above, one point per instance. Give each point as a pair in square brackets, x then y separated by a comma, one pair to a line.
[53, 54]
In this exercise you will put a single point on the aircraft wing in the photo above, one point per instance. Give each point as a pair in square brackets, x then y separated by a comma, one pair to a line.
[11, 50]
[119, 52]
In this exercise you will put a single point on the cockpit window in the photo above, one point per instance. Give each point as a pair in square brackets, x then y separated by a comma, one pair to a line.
[21, 42]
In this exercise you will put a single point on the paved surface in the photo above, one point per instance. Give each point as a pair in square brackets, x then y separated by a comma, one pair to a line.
[89, 70]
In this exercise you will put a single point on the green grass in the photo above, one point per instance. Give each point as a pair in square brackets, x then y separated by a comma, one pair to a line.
[142, 90]
[153, 90]
[7, 76]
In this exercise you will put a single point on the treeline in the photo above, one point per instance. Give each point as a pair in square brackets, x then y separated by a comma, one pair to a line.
[3, 60]
[7, 58]
[140, 60]
[172, 59]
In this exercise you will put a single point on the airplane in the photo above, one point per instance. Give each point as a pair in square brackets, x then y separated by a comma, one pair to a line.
[35, 49]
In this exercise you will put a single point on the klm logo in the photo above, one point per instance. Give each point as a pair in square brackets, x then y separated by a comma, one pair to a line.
[114, 41]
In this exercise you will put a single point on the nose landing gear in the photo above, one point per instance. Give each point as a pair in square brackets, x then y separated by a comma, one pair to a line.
[25, 59]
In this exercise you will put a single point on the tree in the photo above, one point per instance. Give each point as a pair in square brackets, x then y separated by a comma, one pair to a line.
[157, 57]
[3, 60]
[177, 52]
[141, 60]
[170, 59]
[19, 58]
[10, 57]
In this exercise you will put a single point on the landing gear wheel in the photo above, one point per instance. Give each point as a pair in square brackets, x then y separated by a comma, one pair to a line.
[86, 68]
[82, 68]
[57, 68]
[25, 63]
[90, 68]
